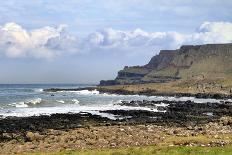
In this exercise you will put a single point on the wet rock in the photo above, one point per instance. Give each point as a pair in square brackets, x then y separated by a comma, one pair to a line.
[161, 108]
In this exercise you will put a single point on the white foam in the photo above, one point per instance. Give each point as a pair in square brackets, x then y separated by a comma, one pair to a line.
[139, 97]
[39, 90]
[34, 101]
[162, 105]
[20, 105]
[106, 115]
[30, 111]
[27, 103]
[193, 99]
[75, 101]
[60, 101]
[83, 92]
[209, 113]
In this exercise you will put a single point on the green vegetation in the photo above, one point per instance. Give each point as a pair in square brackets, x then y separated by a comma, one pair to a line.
[135, 70]
[171, 72]
[152, 150]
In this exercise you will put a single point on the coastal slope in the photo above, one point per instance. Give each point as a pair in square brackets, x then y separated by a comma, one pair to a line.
[191, 69]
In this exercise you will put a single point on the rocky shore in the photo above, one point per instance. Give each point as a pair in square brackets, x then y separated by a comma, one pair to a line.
[156, 91]
[146, 91]
[203, 123]
[118, 136]
[179, 113]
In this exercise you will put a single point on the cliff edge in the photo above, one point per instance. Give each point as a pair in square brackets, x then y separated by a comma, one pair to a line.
[191, 62]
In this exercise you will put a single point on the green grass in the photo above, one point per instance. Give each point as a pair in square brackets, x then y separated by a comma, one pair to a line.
[151, 150]
[171, 72]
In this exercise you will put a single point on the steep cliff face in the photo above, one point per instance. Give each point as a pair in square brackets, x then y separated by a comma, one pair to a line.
[188, 62]
[162, 60]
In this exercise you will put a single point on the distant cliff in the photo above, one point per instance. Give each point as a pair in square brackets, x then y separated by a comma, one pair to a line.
[210, 61]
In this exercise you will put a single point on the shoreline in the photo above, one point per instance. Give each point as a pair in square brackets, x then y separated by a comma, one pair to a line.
[183, 123]
[178, 113]
[112, 90]
[180, 123]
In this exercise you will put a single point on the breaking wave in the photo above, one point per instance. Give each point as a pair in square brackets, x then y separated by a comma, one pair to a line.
[87, 92]
[27, 103]
[38, 90]
[60, 101]
[75, 101]
[84, 92]
[96, 109]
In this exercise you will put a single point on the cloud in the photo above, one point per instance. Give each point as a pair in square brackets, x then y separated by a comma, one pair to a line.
[50, 42]
[132, 42]
[46, 42]
[139, 41]
[213, 32]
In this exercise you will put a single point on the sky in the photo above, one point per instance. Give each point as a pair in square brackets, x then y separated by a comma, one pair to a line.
[85, 41]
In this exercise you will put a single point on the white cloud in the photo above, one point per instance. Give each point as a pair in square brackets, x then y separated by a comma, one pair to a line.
[133, 42]
[213, 32]
[49, 42]
[46, 42]
[139, 41]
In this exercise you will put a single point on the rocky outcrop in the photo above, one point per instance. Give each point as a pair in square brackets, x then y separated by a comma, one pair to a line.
[162, 60]
[190, 61]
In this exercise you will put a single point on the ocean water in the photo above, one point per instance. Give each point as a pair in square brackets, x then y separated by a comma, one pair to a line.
[23, 100]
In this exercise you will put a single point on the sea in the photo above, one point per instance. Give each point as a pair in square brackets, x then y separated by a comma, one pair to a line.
[24, 100]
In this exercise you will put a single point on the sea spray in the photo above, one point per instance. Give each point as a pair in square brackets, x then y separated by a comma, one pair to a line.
[75, 101]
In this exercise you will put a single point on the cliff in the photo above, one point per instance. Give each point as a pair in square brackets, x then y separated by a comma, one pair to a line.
[210, 61]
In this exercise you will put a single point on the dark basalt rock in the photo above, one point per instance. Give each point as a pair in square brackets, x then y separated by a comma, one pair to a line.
[108, 82]
[55, 121]
[178, 113]
[147, 92]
